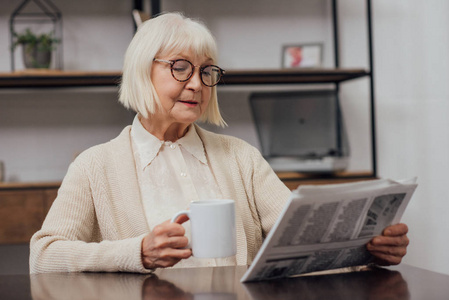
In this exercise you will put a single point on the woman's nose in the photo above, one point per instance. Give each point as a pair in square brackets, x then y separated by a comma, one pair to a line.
[195, 83]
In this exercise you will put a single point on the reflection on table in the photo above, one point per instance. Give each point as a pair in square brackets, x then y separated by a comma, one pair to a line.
[179, 284]
[223, 283]
[376, 284]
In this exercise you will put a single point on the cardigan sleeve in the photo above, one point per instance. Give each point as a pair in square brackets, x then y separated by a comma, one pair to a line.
[265, 192]
[270, 193]
[70, 239]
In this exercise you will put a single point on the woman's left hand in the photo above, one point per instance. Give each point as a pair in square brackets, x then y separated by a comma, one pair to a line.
[390, 247]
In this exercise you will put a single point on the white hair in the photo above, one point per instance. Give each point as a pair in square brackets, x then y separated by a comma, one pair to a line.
[164, 34]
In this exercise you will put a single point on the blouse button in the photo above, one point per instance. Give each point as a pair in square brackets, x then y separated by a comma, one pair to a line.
[183, 174]
[172, 146]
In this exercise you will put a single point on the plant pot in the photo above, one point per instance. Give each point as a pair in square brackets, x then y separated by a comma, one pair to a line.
[35, 58]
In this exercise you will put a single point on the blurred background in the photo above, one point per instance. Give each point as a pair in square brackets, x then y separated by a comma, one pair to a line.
[43, 129]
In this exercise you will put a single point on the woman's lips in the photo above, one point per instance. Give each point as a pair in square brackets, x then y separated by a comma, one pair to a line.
[189, 102]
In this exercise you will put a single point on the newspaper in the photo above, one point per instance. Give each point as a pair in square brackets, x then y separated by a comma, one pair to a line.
[327, 227]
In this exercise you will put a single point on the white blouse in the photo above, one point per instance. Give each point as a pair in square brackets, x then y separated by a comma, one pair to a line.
[171, 175]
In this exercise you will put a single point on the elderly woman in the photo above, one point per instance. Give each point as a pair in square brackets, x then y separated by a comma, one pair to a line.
[113, 208]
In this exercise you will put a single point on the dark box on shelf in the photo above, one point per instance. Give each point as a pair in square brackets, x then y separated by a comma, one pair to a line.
[301, 130]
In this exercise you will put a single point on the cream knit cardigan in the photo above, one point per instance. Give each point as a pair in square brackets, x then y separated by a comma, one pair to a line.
[97, 221]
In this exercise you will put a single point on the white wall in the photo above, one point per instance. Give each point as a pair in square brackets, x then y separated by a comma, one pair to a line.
[95, 33]
[411, 72]
[412, 64]
[42, 130]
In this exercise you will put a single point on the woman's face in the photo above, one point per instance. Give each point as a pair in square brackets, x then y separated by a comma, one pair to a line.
[182, 102]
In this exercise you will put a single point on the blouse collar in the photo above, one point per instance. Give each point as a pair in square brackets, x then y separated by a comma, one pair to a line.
[148, 146]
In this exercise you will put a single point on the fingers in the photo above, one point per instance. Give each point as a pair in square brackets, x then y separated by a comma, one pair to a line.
[165, 258]
[181, 219]
[175, 242]
[169, 229]
[387, 250]
[388, 256]
[395, 230]
[164, 246]
[395, 241]
[383, 259]
[391, 246]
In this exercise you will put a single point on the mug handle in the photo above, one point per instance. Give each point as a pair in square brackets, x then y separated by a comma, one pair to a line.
[182, 212]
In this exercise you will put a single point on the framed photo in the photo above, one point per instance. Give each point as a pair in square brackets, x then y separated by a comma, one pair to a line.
[302, 56]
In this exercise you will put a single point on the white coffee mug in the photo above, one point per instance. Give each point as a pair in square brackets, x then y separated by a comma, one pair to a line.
[212, 228]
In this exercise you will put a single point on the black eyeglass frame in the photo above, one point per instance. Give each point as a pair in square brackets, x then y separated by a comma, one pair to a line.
[172, 62]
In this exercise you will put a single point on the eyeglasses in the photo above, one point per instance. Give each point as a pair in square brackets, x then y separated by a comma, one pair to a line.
[182, 70]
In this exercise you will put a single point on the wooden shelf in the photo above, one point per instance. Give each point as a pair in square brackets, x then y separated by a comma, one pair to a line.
[293, 179]
[318, 176]
[7, 186]
[55, 78]
[289, 76]
[286, 177]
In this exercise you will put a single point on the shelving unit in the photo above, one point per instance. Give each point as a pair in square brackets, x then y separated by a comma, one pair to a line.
[34, 199]
[335, 76]
[37, 79]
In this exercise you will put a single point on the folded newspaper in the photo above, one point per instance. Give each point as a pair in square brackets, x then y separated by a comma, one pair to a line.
[327, 227]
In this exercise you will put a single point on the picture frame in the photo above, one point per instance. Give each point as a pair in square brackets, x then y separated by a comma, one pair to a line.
[302, 56]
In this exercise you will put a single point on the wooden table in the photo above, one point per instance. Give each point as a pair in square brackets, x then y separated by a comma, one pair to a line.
[222, 283]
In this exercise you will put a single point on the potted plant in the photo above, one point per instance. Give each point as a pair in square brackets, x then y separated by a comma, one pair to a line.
[37, 49]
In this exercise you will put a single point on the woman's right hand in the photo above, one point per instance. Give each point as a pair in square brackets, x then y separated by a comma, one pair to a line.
[164, 246]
